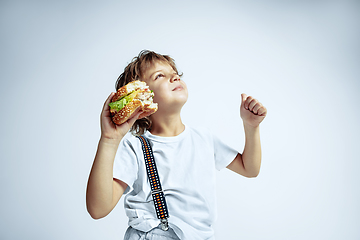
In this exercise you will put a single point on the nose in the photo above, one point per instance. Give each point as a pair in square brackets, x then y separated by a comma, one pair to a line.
[175, 77]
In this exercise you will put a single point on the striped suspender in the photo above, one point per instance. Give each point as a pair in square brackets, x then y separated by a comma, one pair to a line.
[156, 190]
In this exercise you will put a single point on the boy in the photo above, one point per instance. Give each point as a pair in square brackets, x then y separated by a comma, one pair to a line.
[186, 158]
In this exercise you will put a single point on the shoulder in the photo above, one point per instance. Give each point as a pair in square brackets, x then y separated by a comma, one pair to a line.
[205, 135]
[201, 136]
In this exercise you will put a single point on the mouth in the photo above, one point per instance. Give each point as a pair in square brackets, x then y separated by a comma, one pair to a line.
[177, 88]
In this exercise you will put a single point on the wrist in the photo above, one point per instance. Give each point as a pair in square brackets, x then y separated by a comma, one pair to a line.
[110, 142]
[251, 128]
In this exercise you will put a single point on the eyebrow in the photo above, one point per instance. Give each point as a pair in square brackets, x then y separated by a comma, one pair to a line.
[160, 70]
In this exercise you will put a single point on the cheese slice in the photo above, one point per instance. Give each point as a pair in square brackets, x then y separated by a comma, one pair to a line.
[118, 105]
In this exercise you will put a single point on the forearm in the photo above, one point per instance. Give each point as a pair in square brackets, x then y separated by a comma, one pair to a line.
[251, 155]
[99, 195]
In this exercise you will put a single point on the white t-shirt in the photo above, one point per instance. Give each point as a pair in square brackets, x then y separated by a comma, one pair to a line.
[187, 166]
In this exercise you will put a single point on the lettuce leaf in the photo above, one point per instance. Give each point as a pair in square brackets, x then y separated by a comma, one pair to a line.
[118, 105]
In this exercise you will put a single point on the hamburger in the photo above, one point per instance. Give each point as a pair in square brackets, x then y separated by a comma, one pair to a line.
[135, 95]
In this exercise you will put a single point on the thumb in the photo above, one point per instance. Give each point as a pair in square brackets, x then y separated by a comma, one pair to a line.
[243, 98]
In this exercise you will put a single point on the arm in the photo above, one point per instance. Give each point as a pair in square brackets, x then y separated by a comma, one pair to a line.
[103, 192]
[248, 163]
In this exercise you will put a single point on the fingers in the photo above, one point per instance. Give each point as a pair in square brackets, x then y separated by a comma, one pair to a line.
[108, 100]
[253, 105]
[262, 111]
[249, 103]
[106, 109]
[134, 117]
[256, 108]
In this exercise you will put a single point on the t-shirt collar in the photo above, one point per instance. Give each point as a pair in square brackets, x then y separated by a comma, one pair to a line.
[167, 139]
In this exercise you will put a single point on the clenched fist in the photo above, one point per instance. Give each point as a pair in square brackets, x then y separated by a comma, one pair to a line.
[252, 111]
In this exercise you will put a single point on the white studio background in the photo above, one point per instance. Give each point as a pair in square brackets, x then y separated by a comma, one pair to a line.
[60, 61]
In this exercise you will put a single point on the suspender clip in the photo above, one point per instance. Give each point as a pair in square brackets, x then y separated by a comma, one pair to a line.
[164, 224]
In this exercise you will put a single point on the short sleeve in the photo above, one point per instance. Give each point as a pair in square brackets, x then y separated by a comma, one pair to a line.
[223, 154]
[125, 164]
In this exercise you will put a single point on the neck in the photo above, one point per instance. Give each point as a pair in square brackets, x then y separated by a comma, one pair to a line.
[166, 126]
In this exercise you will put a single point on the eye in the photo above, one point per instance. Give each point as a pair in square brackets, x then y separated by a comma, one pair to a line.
[159, 75]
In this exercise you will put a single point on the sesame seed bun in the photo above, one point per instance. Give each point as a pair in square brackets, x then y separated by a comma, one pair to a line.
[142, 100]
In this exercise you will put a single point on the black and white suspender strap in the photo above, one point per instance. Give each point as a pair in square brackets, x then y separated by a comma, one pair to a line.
[156, 190]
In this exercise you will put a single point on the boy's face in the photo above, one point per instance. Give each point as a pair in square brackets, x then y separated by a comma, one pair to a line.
[170, 91]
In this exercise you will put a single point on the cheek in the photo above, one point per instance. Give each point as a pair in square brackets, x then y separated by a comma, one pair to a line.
[159, 93]
[156, 98]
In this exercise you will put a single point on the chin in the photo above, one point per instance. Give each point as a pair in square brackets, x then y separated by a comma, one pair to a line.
[182, 100]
